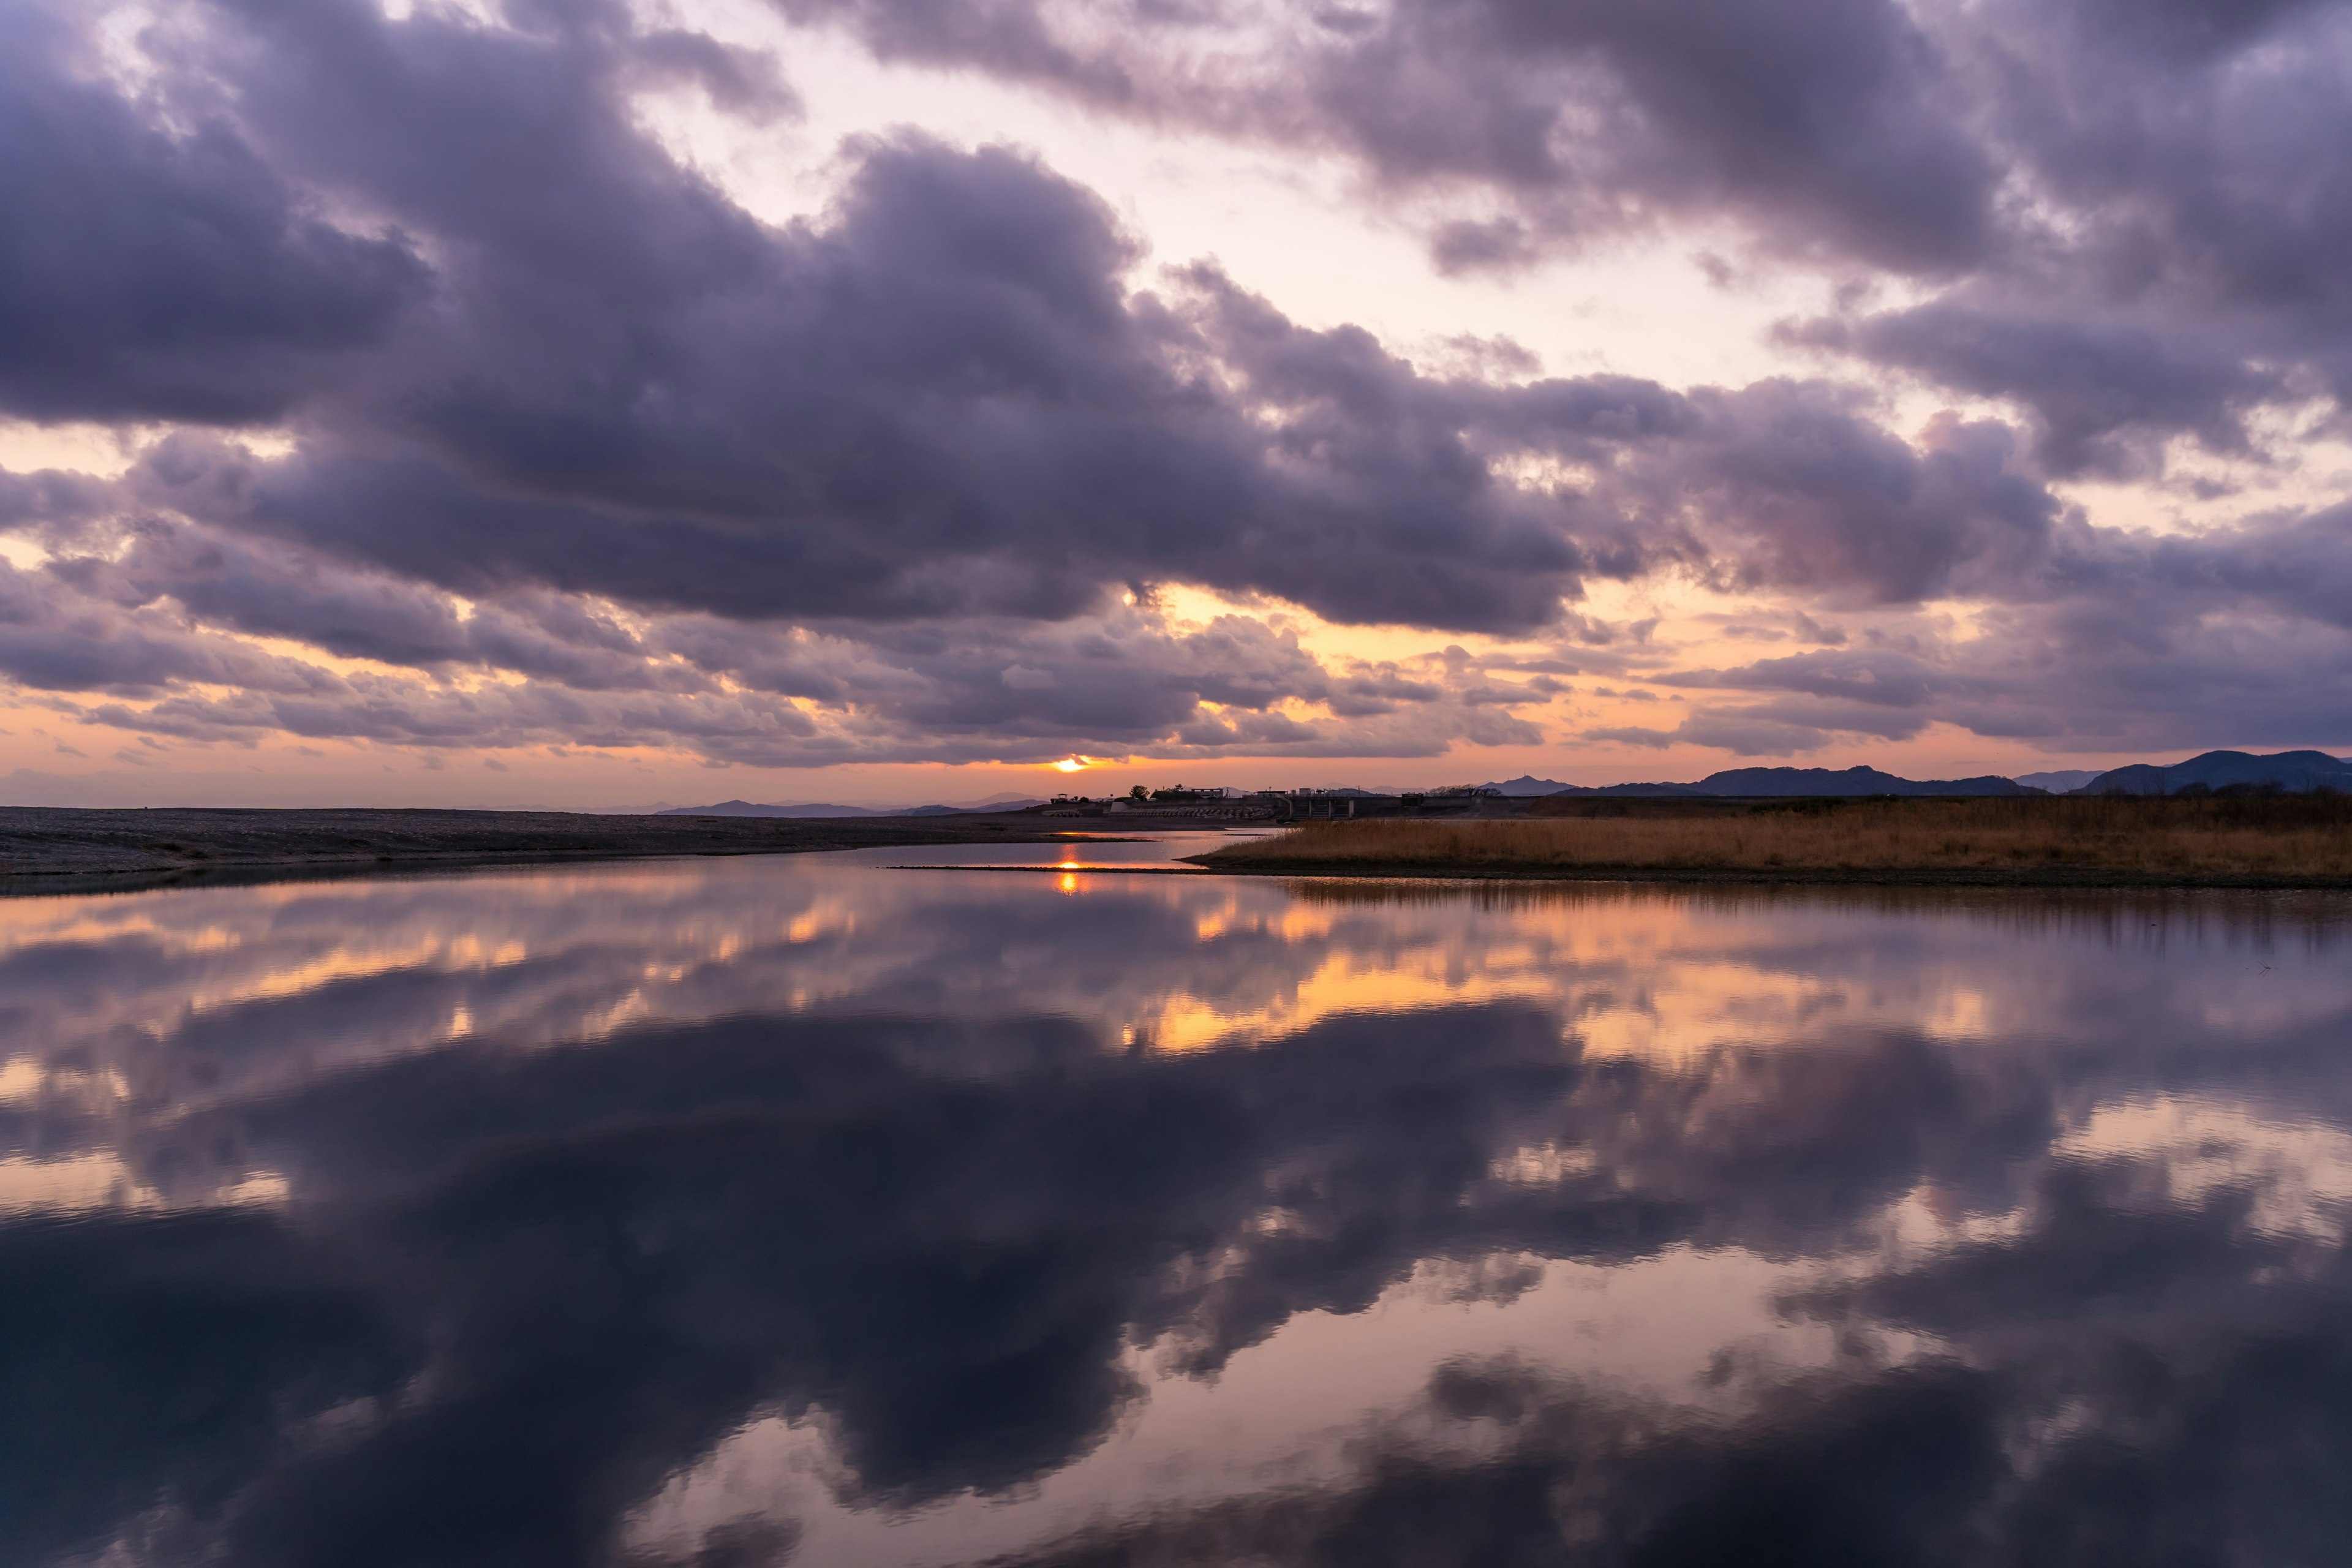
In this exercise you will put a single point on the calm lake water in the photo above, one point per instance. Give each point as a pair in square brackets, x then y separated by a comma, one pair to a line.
[733, 1212]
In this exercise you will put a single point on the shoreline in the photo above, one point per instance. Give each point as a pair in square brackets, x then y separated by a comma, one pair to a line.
[48, 851]
[1921, 877]
[2086, 880]
[2273, 844]
[55, 851]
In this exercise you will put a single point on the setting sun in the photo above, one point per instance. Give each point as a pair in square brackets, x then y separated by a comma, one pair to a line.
[1719, 637]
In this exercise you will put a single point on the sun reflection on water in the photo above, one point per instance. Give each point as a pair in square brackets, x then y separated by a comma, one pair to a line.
[1282, 1158]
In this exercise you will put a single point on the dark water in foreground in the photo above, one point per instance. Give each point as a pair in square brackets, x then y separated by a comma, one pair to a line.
[737, 1212]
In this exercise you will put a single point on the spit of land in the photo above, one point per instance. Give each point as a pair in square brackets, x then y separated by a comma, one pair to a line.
[45, 850]
[2267, 841]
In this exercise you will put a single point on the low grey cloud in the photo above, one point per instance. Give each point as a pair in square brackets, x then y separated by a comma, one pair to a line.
[2119, 642]
[2127, 216]
[52, 639]
[943, 400]
[151, 273]
[1826, 123]
[571, 448]
[153, 635]
[2191, 164]
[2105, 394]
[52, 504]
[741, 81]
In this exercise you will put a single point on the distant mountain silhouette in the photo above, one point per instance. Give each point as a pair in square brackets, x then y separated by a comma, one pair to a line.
[1640, 789]
[746, 808]
[749, 808]
[2059, 781]
[2295, 772]
[1848, 780]
[1787, 782]
[1528, 783]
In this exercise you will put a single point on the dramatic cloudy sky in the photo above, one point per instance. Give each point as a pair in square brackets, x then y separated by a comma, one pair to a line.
[581, 402]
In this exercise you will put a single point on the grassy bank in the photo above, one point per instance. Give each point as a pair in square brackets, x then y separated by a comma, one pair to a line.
[2261, 842]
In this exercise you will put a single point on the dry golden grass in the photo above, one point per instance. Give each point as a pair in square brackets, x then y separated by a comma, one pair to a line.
[2305, 839]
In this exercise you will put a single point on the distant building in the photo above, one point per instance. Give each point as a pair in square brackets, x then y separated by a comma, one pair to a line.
[1209, 804]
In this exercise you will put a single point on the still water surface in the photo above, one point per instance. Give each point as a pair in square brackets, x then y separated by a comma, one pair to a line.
[735, 1212]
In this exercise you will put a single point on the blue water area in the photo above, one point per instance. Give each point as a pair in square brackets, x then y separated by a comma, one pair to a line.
[800, 1209]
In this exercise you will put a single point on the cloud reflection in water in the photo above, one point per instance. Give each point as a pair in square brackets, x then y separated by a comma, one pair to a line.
[721, 1212]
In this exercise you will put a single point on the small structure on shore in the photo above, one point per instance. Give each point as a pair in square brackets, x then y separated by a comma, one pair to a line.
[1273, 804]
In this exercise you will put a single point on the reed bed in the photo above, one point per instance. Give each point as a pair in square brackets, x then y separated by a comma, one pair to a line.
[2278, 841]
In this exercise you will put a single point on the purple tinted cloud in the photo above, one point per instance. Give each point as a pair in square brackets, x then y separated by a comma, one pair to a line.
[878, 484]
[2136, 212]
[172, 274]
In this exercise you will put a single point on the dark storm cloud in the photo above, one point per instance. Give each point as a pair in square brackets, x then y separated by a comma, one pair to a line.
[150, 619]
[2220, 164]
[738, 81]
[236, 584]
[2194, 165]
[2192, 30]
[943, 401]
[1010, 38]
[2138, 208]
[2294, 565]
[2068, 678]
[1828, 123]
[2120, 639]
[827, 489]
[58, 641]
[155, 274]
[1790, 487]
[53, 504]
[2101, 390]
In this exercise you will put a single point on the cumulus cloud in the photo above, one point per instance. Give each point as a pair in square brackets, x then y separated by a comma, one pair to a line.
[1823, 122]
[150, 271]
[944, 399]
[2105, 394]
[2131, 214]
[573, 448]
[2114, 640]
[161, 635]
